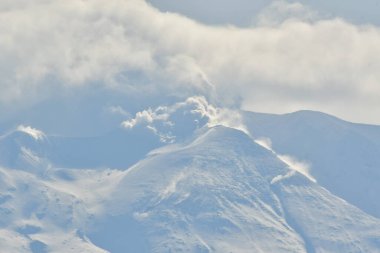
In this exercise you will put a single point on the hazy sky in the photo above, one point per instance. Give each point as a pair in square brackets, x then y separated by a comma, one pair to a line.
[244, 12]
[74, 60]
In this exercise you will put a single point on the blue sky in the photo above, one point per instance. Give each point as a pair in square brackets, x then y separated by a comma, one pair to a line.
[243, 12]
[65, 63]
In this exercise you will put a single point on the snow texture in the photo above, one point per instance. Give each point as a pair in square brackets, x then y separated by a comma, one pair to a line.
[300, 189]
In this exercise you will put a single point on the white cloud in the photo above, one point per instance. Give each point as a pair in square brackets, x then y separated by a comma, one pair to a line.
[301, 63]
[281, 11]
[118, 110]
[145, 117]
[181, 119]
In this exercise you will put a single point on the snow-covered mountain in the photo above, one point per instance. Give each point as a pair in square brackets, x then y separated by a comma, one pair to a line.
[222, 192]
[344, 157]
[302, 182]
[21, 149]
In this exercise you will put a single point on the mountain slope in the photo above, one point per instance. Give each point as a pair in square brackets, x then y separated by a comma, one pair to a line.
[224, 193]
[217, 191]
[344, 157]
[120, 149]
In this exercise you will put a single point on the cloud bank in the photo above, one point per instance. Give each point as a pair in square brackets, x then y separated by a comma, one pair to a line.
[298, 62]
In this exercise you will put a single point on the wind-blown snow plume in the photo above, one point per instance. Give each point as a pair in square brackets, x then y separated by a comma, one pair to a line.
[34, 133]
[292, 162]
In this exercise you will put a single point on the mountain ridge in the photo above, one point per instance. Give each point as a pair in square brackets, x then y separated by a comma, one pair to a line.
[219, 190]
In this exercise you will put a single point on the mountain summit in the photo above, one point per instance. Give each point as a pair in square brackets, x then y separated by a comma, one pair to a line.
[218, 190]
